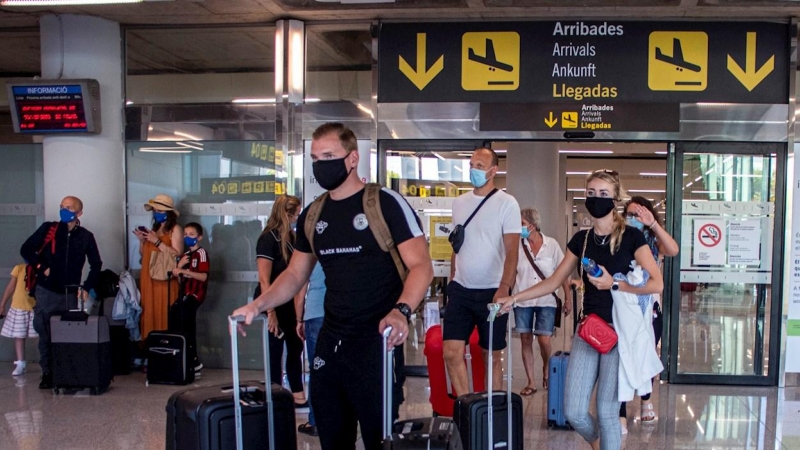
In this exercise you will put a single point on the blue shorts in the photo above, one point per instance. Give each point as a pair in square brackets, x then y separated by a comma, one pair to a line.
[544, 316]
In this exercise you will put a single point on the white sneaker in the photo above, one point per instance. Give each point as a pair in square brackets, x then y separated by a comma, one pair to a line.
[20, 369]
[623, 423]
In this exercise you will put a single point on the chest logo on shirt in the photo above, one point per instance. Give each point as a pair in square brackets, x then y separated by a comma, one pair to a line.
[320, 227]
[360, 222]
[194, 263]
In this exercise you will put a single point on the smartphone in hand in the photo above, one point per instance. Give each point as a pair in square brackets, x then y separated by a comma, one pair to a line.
[141, 228]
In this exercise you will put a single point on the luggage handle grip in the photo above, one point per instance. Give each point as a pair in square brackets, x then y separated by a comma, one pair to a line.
[388, 362]
[494, 309]
[233, 322]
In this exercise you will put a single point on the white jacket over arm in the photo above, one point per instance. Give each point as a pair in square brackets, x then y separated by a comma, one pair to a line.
[633, 321]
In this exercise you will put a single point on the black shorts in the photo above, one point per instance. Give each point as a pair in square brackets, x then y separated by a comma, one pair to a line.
[466, 309]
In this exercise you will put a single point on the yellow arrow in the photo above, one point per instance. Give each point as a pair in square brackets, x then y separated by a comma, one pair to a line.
[551, 120]
[750, 77]
[421, 76]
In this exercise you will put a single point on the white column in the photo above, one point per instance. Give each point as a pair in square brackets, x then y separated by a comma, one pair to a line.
[90, 167]
[535, 179]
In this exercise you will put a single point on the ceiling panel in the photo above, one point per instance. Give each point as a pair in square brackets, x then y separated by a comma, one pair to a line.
[240, 49]
[20, 54]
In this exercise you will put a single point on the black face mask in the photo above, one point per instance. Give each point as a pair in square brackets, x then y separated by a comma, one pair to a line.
[599, 207]
[330, 173]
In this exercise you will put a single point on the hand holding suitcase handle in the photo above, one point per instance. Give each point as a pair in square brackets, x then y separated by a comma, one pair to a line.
[234, 324]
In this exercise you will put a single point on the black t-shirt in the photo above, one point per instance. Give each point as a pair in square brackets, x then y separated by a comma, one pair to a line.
[594, 300]
[269, 247]
[361, 279]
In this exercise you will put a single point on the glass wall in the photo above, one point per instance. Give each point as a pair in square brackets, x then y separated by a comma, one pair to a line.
[200, 127]
[21, 213]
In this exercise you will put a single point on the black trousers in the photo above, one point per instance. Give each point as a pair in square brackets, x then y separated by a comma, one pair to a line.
[183, 320]
[346, 390]
[287, 322]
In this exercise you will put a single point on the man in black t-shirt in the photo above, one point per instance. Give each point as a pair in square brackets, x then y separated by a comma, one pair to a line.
[365, 293]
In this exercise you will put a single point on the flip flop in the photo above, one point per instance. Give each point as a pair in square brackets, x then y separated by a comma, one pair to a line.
[527, 390]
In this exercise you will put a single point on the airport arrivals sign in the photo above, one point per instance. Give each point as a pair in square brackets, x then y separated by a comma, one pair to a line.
[584, 62]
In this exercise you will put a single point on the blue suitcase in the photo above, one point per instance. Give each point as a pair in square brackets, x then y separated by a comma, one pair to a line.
[555, 391]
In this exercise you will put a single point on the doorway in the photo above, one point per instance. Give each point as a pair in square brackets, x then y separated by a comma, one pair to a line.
[726, 321]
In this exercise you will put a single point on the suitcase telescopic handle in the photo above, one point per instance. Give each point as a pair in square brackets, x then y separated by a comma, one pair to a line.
[494, 309]
[388, 363]
[233, 321]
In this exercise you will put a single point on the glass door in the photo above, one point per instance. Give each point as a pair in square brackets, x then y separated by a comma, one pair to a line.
[726, 280]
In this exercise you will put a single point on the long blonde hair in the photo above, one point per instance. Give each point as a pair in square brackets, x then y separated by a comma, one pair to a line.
[285, 206]
[612, 177]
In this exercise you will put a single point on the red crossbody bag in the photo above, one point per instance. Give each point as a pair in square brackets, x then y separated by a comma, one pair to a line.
[592, 329]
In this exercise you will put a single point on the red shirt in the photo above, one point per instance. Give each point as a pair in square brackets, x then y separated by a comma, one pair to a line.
[198, 262]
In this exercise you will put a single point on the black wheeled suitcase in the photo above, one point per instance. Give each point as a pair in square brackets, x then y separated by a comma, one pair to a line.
[80, 348]
[503, 410]
[214, 418]
[166, 359]
[429, 433]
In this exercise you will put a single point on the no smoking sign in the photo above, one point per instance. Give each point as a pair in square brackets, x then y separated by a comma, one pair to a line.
[709, 235]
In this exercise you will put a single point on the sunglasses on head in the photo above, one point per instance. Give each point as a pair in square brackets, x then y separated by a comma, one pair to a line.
[613, 173]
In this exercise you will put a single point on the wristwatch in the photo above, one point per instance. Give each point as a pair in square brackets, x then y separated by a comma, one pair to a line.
[404, 309]
[615, 286]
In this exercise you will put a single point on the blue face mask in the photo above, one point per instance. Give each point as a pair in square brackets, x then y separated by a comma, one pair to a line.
[67, 215]
[159, 217]
[525, 233]
[634, 222]
[477, 177]
[189, 241]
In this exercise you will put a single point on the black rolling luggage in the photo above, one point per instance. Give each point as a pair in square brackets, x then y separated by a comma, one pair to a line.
[81, 351]
[206, 418]
[167, 355]
[431, 433]
[167, 362]
[473, 413]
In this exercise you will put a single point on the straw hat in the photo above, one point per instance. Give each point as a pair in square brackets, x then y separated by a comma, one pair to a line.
[162, 202]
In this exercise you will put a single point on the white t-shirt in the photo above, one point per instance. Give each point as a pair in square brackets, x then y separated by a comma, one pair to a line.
[548, 258]
[479, 263]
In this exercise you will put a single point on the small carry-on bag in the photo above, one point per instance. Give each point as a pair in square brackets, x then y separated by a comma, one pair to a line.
[166, 359]
[81, 351]
[167, 356]
[555, 390]
[443, 396]
[480, 416]
[429, 433]
[241, 415]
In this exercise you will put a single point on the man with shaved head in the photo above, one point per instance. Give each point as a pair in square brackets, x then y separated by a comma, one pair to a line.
[59, 251]
[483, 270]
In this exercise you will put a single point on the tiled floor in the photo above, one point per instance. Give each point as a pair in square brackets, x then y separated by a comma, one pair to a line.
[131, 416]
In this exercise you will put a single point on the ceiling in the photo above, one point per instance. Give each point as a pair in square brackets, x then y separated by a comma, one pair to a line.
[340, 37]
[265, 11]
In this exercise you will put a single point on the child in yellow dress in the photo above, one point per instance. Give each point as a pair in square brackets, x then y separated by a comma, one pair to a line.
[19, 321]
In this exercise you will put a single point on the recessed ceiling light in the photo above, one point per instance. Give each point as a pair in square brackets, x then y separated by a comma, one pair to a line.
[588, 152]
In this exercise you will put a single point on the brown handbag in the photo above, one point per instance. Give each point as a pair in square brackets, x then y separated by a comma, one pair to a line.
[161, 265]
[559, 303]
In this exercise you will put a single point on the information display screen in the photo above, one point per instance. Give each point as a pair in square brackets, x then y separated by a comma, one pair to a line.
[55, 106]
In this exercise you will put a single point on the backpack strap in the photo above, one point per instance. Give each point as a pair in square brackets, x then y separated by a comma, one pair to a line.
[379, 227]
[312, 217]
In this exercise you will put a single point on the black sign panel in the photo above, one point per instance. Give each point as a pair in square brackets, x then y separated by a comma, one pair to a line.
[580, 117]
[577, 61]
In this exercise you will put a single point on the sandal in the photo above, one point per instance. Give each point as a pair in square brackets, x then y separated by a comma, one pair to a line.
[527, 390]
[648, 412]
[308, 429]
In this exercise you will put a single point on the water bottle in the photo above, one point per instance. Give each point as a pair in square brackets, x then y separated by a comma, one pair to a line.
[591, 268]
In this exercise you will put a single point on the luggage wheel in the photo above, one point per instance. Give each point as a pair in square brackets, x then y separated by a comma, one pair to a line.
[55, 390]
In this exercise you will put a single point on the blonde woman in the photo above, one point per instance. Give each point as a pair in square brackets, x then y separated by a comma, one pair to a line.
[612, 245]
[273, 250]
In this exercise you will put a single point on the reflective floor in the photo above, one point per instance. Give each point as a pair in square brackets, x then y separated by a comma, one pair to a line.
[132, 416]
